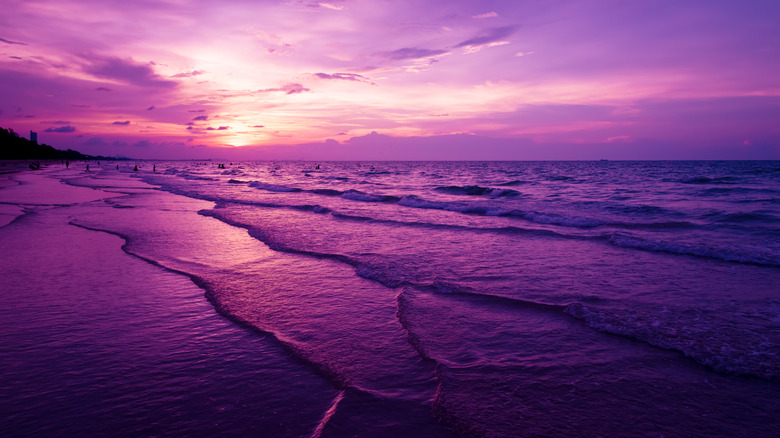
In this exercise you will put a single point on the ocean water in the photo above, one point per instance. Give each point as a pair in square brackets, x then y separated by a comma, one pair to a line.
[489, 299]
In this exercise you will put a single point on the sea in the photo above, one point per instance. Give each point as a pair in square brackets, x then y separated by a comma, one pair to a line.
[416, 299]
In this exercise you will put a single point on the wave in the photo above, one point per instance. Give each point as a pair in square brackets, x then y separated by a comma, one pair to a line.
[747, 255]
[191, 177]
[212, 295]
[357, 195]
[327, 192]
[639, 209]
[724, 351]
[313, 208]
[737, 254]
[669, 334]
[559, 178]
[717, 191]
[710, 180]
[477, 191]
[557, 219]
[750, 217]
[515, 182]
[273, 187]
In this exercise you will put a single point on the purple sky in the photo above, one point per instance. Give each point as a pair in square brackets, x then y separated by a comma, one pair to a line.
[376, 79]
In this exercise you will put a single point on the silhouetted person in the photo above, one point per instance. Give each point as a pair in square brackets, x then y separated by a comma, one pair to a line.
[135, 169]
[67, 164]
[318, 166]
[154, 168]
[87, 168]
[117, 167]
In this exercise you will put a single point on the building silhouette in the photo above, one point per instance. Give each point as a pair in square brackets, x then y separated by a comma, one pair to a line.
[34, 137]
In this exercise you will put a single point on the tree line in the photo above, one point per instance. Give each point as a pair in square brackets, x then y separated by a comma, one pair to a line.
[15, 147]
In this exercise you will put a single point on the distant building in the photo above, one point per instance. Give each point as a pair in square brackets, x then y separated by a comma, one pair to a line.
[34, 137]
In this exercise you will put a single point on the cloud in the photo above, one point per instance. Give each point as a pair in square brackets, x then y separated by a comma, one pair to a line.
[258, 126]
[490, 36]
[287, 89]
[125, 70]
[150, 108]
[221, 128]
[125, 123]
[201, 118]
[66, 128]
[189, 74]
[414, 53]
[330, 6]
[16, 57]
[486, 15]
[12, 42]
[343, 76]
[475, 49]
[102, 89]
[293, 88]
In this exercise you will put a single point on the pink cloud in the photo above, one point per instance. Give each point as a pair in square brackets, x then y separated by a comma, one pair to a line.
[124, 70]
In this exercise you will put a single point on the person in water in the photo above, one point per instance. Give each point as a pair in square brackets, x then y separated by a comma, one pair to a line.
[154, 168]
[135, 169]
[67, 164]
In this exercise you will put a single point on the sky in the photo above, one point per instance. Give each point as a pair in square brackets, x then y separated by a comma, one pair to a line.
[395, 80]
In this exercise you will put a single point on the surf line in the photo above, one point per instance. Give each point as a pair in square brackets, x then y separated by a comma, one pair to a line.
[323, 371]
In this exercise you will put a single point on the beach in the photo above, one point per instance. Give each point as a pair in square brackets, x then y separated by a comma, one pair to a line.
[376, 299]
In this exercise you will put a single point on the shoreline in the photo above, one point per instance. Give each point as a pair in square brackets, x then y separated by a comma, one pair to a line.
[74, 293]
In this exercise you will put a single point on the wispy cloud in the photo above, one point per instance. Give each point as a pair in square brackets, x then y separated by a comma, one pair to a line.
[343, 77]
[489, 38]
[189, 74]
[414, 53]
[286, 89]
[486, 15]
[11, 42]
[331, 6]
[125, 123]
